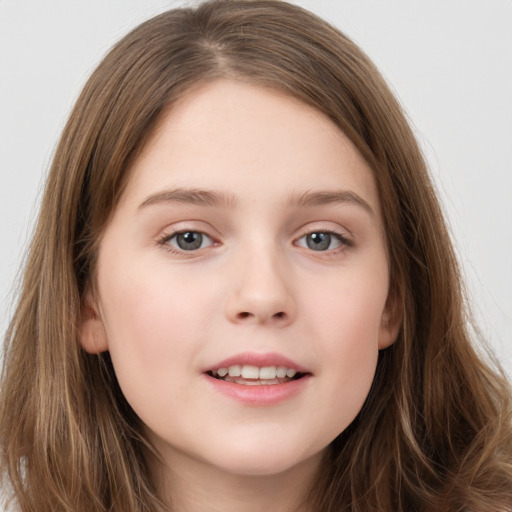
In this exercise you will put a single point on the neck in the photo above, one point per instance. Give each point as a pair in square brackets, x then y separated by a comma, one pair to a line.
[189, 485]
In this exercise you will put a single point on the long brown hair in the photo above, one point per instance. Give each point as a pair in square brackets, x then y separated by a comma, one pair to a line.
[435, 432]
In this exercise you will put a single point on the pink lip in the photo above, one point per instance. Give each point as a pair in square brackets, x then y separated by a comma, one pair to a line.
[255, 359]
[264, 395]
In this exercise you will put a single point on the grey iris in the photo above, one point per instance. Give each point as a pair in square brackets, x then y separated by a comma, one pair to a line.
[318, 241]
[189, 241]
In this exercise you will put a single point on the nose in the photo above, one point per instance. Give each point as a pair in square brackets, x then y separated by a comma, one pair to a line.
[260, 291]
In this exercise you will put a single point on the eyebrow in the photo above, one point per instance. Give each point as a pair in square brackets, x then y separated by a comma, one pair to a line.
[321, 198]
[213, 198]
[192, 196]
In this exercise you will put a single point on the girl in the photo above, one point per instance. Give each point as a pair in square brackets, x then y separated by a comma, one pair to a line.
[241, 294]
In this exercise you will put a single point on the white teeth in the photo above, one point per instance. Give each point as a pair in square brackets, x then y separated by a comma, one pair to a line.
[250, 372]
[252, 383]
[267, 372]
[255, 373]
[235, 370]
[281, 372]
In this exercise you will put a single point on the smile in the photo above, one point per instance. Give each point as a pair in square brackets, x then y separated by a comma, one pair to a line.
[258, 379]
[250, 375]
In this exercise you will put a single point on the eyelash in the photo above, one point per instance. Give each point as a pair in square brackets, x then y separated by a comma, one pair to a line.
[345, 243]
[167, 237]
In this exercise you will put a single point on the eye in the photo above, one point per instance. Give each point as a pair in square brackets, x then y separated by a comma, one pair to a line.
[322, 241]
[188, 240]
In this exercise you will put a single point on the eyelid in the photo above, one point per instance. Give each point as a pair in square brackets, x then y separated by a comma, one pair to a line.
[324, 227]
[182, 226]
[341, 234]
[178, 233]
[185, 227]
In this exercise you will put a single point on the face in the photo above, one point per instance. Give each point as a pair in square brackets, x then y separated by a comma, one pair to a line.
[242, 283]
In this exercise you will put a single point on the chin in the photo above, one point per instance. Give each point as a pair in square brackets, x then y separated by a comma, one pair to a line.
[263, 460]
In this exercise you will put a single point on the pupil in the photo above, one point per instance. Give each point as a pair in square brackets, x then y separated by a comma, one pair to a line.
[189, 241]
[318, 241]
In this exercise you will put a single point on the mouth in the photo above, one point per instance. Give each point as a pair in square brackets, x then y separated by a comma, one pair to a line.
[258, 379]
[250, 375]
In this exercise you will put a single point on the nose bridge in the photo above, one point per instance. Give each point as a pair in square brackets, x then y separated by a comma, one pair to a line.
[260, 287]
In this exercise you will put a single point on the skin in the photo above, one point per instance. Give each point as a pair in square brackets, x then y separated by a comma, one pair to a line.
[166, 314]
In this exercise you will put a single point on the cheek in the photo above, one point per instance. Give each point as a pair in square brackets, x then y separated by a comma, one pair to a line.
[345, 382]
[348, 308]
[155, 325]
[346, 322]
[147, 304]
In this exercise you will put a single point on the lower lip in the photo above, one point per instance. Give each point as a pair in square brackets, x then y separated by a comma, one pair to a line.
[260, 395]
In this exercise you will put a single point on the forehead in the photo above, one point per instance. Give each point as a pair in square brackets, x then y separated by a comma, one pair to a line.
[246, 139]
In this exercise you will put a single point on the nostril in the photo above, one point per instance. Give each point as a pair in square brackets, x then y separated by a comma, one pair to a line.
[242, 316]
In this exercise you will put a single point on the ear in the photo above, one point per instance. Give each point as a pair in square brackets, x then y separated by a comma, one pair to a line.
[391, 320]
[91, 332]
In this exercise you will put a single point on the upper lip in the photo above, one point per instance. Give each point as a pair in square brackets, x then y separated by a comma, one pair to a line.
[257, 359]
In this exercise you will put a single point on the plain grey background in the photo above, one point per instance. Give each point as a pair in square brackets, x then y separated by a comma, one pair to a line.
[449, 62]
